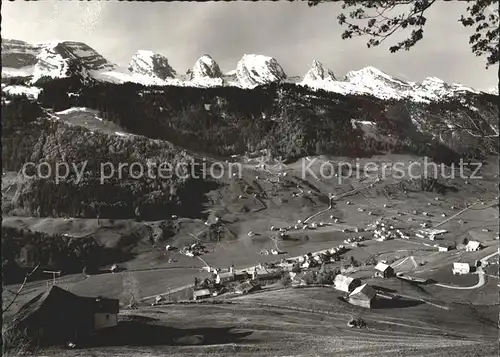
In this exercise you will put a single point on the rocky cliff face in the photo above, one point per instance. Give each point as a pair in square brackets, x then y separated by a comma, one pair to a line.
[151, 64]
[65, 59]
[206, 67]
[19, 54]
[18, 58]
[253, 70]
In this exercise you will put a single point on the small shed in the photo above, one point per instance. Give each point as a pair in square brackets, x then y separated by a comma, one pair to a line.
[384, 270]
[473, 246]
[363, 295]
[345, 283]
[445, 247]
[201, 294]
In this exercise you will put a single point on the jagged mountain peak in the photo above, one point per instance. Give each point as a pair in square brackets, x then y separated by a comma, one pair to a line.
[318, 72]
[206, 67]
[149, 63]
[253, 70]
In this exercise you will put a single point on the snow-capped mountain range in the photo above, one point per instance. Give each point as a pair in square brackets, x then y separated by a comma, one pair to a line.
[67, 58]
[370, 80]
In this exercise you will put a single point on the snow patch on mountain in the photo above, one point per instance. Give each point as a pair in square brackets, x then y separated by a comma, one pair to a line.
[22, 91]
[51, 64]
[73, 110]
[438, 88]
[253, 70]
[8, 72]
[493, 90]
[148, 63]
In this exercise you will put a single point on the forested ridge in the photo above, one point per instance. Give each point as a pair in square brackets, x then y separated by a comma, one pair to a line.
[288, 120]
[35, 140]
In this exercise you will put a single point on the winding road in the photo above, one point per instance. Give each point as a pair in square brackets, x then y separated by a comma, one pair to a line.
[480, 273]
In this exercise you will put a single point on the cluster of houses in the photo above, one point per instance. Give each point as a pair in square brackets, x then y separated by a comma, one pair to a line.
[270, 252]
[311, 260]
[384, 231]
[269, 272]
[354, 241]
[243, 282]
[299, 226]
[193, 250]
[471, 246]
[430, 234]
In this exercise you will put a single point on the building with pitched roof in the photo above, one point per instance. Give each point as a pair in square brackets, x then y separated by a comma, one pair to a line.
[473, 246]
[384, 270]
[58, 315]
[247, 287]
[363, 295]
[345, 283]
[201, 294]
[461, 268]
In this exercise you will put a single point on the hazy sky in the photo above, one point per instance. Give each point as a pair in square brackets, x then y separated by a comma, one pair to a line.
[293, 33]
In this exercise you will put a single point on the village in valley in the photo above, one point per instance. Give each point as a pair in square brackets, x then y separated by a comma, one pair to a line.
[362, 252]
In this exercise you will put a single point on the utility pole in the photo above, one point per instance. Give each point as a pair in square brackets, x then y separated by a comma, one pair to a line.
[54, 274]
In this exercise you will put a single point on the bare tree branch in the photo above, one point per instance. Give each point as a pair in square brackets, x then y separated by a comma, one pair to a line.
[18, 292]
[380, 19]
